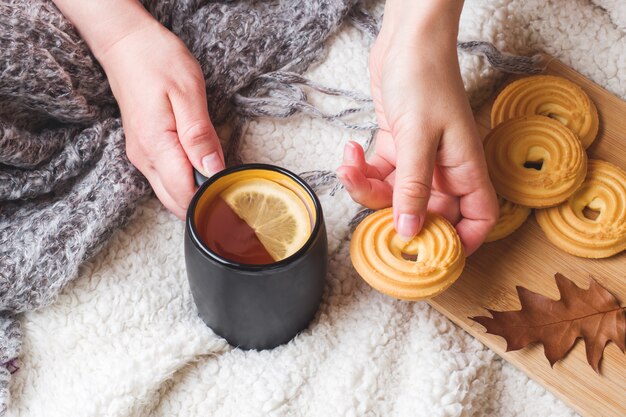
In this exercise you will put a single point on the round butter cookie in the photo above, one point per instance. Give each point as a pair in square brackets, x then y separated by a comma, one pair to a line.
[414, 270]
[592, 222]
[534, 161]
[512, 216]
[554, 97]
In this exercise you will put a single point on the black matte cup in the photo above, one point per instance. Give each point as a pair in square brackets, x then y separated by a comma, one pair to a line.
[256, 306]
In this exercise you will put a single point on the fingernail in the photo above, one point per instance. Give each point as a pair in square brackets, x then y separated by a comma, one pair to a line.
[212, 163]
[408, 224]
[349, 153]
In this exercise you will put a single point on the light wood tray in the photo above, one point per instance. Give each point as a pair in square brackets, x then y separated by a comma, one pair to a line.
[528, 259]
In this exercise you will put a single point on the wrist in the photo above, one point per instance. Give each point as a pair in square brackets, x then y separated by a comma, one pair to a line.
[412, 22]
[102, 24]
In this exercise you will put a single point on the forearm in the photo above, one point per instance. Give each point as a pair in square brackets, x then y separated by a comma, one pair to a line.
[436, 21]
[103, 23]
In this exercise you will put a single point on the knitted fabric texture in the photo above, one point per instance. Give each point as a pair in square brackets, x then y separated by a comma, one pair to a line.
[65, 181]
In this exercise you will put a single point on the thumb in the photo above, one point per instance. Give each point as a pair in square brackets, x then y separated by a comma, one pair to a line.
[415, 161]
[196, 132]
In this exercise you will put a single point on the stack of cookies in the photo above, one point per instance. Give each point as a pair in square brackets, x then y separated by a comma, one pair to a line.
[536, 156]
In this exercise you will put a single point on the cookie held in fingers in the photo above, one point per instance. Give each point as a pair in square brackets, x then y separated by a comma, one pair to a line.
[592, 222]
[511, 217]
[550, 96]
[421, 268]
[534, 161]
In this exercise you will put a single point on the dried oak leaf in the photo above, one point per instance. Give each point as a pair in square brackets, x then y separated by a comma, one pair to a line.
[593, 314]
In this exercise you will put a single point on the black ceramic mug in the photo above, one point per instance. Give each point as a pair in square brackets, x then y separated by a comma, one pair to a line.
[256, 306]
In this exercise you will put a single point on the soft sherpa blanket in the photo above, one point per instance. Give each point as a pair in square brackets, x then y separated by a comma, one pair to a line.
[124, 339]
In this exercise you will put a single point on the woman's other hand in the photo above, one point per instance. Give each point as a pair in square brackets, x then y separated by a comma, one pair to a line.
[428, 155]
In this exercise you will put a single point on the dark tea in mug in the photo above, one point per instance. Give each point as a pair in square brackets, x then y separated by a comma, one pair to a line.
[256, 254]
[255, 217]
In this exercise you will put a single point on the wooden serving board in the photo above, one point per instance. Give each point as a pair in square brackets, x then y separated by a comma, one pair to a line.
[528, 259]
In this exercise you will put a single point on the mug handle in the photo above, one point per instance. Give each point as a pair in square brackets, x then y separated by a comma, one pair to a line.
[198, 177]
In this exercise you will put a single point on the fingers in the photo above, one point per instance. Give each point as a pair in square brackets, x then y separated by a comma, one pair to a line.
[466, 176]
[365, 182]
[480, 213]
[164, 197]
[445, 205]
[378, 168]
[172, 135]
[152, 145]
[176, 175]
[195, 130]
[416, 149]
[166, 167]
[479, 208]
[370, 192]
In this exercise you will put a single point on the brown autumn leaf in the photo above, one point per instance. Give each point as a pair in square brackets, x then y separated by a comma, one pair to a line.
[593, 314]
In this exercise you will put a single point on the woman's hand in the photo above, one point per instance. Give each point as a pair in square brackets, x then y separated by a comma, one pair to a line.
[161, 93]
[428, 155]
[160, 90]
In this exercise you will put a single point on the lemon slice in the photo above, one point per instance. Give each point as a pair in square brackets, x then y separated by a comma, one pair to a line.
[275, 213]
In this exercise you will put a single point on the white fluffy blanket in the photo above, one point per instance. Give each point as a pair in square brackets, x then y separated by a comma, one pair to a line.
[123, 340]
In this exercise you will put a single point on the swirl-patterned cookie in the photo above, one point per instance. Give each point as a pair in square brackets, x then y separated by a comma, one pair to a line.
[592, 222]
[551, 96]
[414, 270]
[512, 216]
[534, 161]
